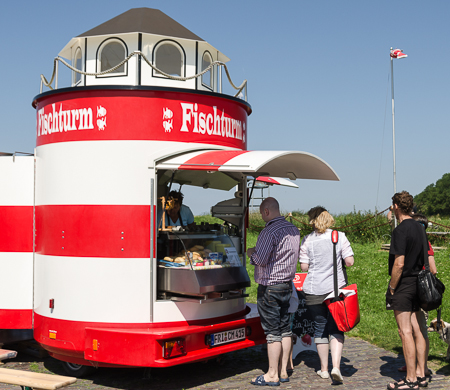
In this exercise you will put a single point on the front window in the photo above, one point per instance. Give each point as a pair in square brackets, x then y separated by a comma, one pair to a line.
[169, 59]
[112, 53]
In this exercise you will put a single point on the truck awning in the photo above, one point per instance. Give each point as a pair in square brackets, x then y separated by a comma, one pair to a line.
[269, 180]
[221, 169]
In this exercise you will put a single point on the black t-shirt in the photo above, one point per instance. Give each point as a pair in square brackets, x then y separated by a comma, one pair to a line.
[407, 240]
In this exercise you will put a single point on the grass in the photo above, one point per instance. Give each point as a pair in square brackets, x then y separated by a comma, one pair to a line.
[370, 273]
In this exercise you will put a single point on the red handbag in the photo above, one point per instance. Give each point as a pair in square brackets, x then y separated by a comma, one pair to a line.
[343, 306]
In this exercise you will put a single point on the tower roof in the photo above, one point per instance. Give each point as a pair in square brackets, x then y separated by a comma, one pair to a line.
[142, 20]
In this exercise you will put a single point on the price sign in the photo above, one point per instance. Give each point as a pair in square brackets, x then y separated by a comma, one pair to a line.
[233, 257]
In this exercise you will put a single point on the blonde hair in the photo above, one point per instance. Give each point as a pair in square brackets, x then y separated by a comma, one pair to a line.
[320, 219]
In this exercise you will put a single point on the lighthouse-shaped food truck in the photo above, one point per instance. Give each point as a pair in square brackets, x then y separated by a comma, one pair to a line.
[113, 286]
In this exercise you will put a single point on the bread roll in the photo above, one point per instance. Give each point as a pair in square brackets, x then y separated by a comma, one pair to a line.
[179, 260]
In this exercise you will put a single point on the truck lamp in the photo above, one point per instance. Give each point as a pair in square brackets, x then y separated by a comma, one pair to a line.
[51, 304]
[173, 348]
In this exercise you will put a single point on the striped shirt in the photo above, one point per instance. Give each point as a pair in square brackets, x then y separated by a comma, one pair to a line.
[276, 253]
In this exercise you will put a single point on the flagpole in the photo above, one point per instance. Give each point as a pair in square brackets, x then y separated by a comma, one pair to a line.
[397, 53]
[393, 121]
[393, 130]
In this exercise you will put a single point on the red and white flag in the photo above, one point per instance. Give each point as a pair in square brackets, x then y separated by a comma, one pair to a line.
[398, 53]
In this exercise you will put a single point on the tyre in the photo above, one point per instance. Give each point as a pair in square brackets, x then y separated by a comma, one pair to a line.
[77, 370]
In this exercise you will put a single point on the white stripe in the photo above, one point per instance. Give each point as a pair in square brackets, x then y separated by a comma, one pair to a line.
[112, 291]
[17, 180]
[16, 291]
[93, 289]
[101, 172]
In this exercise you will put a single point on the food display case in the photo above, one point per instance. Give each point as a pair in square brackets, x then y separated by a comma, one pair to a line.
[200, 265]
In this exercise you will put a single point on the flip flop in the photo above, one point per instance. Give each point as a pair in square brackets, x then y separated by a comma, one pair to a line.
[284, 380]
[260, 381]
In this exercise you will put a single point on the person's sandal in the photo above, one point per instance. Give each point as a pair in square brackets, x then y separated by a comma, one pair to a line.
[403, 386]
[422, 381]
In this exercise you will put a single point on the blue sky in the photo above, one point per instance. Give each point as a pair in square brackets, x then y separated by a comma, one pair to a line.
[318, 81]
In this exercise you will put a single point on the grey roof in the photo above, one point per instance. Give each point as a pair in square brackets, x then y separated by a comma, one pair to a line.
[142, 20]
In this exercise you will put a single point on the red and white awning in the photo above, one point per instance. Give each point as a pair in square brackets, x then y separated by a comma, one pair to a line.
[292, 165]
[222, 168]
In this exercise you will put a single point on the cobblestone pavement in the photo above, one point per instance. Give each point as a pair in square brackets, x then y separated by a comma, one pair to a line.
[363, 366]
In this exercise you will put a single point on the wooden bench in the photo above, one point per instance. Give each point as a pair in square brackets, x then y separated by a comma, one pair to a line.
[34, 380]
[7, 354]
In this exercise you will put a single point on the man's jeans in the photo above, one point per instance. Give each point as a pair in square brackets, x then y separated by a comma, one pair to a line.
[273, 306]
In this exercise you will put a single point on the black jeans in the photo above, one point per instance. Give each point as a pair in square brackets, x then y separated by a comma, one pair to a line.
[273, 306]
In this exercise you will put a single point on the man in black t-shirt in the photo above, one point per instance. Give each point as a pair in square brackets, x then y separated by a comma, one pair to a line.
[406, 259]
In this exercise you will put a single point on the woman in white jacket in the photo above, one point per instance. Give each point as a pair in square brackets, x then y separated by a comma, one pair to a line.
[316, 258]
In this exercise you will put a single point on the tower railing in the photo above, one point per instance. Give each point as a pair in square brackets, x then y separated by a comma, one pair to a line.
[241, 89]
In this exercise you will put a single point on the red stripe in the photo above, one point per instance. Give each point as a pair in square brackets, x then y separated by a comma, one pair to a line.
[17, 228]
[267, 179]
[116, 231]
[211, 161]
[16, 319]
[140, 344]
[139, 115]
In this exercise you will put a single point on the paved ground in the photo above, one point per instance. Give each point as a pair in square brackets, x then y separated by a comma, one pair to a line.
[363, 367]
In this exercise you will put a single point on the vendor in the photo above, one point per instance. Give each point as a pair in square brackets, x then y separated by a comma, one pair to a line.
[178, 214]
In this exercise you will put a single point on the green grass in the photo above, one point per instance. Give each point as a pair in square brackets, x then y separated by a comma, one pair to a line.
[370, 272]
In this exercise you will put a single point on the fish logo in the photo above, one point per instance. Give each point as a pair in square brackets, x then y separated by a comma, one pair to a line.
[167, 120]
[101, 111]
[101, 123]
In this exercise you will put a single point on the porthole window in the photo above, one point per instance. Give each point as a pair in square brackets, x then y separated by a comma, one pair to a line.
[77, 63]
[169, 58]
[111, 53]
[207, 78]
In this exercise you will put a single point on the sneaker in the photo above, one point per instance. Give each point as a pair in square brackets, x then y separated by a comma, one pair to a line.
[323, 374]
[336, 375]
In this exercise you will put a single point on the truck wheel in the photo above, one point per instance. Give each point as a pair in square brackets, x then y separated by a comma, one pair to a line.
[77, 370]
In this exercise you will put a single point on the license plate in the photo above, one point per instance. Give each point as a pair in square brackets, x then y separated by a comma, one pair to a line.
[227, 336]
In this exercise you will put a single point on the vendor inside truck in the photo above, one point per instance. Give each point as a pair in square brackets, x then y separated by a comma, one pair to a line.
[177, 214]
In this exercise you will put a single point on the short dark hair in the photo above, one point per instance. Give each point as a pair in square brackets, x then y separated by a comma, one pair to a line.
[177, 196]
[404, 201]
[421, 219]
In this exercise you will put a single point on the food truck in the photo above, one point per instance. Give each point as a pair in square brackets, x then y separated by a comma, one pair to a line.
[144, 115]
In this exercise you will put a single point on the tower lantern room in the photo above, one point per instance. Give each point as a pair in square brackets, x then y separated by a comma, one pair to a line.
[144, 47]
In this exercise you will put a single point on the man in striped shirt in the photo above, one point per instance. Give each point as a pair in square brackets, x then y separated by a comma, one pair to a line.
[275, 259]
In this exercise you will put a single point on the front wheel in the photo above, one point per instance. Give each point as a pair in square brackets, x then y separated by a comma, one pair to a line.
[77, 370]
